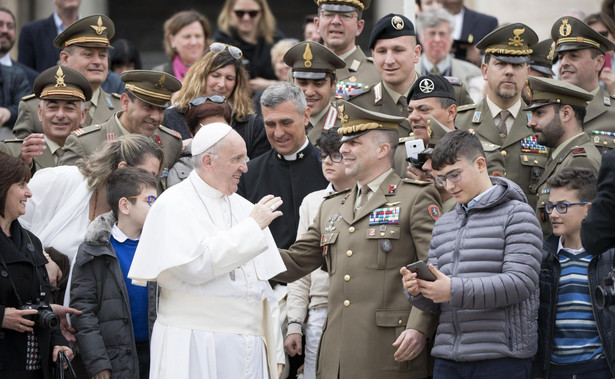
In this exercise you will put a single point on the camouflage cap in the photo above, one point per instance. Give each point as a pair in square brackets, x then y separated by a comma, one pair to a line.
[311, 60]
[91, 31]
[509, 43]
[550, 91]
[358, 121]
[570, 33]
[153, 87]
[62, 83]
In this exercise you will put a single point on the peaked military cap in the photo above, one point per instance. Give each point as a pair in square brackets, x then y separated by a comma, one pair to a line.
[91, 31]
[358, 121]
[431, 86]
[509, 43]
[62, 83]
[311, 60]
[542, 56]
[391, 26]
[550, 91]
[437, 131]
[343, 5]
[570, 33]
[153, 87]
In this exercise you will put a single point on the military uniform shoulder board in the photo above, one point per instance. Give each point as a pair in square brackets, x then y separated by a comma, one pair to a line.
[170, 131]
[330, 118]
[417, 182]
[377, 93]
[406, 139]
[116, 95]
[579, 152]
[28, 97]
[465, 107]
[453, 80]
[88, 129]
[331, 196]
[370, 59]
[488, 146]
[607, 100]
[13, 140]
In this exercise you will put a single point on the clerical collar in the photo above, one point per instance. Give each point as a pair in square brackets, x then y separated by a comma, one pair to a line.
[348, 53]
[120, 236]
[299, 154]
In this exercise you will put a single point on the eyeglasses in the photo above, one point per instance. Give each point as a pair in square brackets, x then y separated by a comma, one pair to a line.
[218, 47]
[218, 99]
[240, 13]
[150, 199]
[453, 177]
[336, 156]
[561, 207]
[344, 16]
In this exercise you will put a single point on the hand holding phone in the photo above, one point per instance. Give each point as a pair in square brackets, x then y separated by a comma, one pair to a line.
[421, 270]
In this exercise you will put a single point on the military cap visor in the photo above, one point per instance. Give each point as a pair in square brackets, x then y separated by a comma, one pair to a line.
[62, 83]
[91, 31]
[153, 87]
[570, 33]
[311, 60]
[358, 121]
[547, 91]
[343, 5]
[509, 43]
[543, 69]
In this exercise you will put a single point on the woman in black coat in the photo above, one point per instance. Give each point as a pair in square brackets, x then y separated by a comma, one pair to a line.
[29, 342]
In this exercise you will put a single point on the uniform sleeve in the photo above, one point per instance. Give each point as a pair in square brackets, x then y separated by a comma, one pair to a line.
[597, 229]
[24, 125]
[73, 151]
[297, 303]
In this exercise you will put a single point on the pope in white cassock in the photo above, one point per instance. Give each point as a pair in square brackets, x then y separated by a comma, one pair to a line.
[211, 253]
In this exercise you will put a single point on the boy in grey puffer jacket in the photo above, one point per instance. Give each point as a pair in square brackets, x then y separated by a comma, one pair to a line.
[486, 258]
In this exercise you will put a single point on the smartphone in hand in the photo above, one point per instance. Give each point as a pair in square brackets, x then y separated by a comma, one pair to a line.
[421, 270]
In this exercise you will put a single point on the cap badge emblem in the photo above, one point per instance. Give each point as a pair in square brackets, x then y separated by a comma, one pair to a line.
[60, 78]
[565, 28]
[160, 82]
[99, 28]
[307, 55]
[517, 41]
[342, 116]
[426, 86]
[397, 22]
[551, 52]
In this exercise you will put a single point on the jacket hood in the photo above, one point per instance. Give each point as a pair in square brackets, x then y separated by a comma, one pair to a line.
[504, 191]
[99, 231]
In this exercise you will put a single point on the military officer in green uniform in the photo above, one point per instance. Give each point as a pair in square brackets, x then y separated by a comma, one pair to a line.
[541, 64]
[363, 237]
[499, 118]
[62, 92]
[558, 109]
[148, 94]
[581, 53]
[339, 23]
[84, 45]
[313, 70]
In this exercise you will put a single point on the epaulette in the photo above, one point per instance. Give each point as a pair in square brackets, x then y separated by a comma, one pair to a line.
[170, 131]
[417, 182]
[370, 59]
[331, 196]
[28, 97]
[406, 139]
[13, 140]
[578, 152]
[87, 130]
[488, 146]
[453, 80]
[116, 95]
[466, 107]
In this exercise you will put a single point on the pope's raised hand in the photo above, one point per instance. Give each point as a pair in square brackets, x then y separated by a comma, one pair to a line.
[266, 211]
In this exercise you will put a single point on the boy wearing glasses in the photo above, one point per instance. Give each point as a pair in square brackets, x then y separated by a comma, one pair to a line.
[485, 256]
[574, 334]
[113, 331]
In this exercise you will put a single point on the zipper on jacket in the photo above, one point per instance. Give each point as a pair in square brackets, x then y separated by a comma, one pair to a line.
[453, 273]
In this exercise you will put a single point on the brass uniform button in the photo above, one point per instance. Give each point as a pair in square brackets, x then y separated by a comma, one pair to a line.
[504, 153]
[346, 278]
[346, 303]
[349, 253]
[400, 322]
[351, 229]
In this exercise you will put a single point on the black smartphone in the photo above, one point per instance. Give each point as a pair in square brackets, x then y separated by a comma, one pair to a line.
[421, 270]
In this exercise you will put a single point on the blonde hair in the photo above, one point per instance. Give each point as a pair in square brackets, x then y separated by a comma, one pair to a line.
[281, 47]
[195, 83]
[131, 148]
[177, 22]
[266, 25]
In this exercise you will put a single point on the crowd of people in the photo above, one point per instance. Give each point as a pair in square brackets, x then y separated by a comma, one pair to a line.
[438, 205]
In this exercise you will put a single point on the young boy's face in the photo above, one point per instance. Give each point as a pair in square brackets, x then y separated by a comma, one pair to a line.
[569, 223]
[138, 211]
[463, 179]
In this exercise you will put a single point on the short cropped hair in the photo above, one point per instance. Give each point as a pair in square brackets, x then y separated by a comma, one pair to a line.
[454, 146]
[127, 182]
[281, 92]
[579, 112]
[582, 180]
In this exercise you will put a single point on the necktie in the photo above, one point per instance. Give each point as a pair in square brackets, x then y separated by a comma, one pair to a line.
[502, 129]
[90, 114]
[403, 102]
[434, 70]
[362, 199]
[59, 153]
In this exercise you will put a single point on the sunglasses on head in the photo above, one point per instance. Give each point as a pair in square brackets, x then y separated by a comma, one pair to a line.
[240, 13]
[218, 99]
[218, 47]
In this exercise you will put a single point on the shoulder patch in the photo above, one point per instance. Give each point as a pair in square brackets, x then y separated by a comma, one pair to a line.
[28, 97]
[88, 129]
[434, 212]
[417, 182]
[116, 95]
[579, 152]
[170, 131]
[465, 107]
[331, 196]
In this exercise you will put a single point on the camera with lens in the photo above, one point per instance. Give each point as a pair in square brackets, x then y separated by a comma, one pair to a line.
[605, 293]
[45, 317]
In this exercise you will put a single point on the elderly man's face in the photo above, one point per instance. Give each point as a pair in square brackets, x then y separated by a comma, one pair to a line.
[437, 42]
[285, 127]
[7, 32]
[60, 117]
[228, 164]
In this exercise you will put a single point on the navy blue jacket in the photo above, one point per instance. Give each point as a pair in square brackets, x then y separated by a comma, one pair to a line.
[35, 46]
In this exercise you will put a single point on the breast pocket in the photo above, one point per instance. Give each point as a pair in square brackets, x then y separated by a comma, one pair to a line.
[328, 246]
[381, 241]
[536, 164]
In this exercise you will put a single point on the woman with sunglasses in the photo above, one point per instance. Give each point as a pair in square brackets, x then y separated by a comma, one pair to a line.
[217, 76]
[186, 35]
[250, 25]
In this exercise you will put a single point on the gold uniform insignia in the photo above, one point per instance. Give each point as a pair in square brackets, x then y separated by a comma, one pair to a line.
[551, 51]
[307, 55]
[60, 78]
[342, 117]
[517, 40]
[99, 28]
[160, 82]
[397, 22]
[565, 28]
